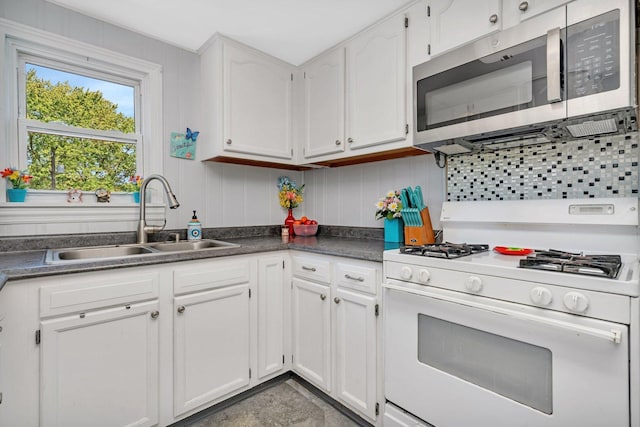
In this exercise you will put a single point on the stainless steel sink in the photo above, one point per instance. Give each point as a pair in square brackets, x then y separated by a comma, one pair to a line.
[96, 253]
[190, 246]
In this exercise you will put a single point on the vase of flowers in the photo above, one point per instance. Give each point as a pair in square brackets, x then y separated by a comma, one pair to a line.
[19, 183]
[388, 208]
[290, 196]
[137, 183]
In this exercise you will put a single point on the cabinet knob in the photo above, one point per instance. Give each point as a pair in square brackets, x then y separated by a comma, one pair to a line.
[493, 18]
[336, 300]
[229, 141]
[349, 140]
[323, 297]
[523, 6]
[181, 309]
[155, 314]
[338, 142]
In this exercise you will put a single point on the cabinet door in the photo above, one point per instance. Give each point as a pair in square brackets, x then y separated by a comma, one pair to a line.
[417, 35]
[324, 105]
[271, 309]
[100, 368]
[457, 22]
[517, 11]
[376, 92]
[311, 332]
[257, 114]
[355, 363]
[211, 345]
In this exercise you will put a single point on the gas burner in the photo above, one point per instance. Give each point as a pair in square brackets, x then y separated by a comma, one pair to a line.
[591, 265]
[444, 250]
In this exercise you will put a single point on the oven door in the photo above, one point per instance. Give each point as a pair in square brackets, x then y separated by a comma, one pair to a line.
[456, 360]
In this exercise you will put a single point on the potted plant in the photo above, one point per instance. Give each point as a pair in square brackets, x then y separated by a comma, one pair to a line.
[290, 196]
[388, 208]
[19, 183]
[137, 183]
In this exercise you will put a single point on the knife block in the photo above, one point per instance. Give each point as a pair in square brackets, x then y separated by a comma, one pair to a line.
[417, 236]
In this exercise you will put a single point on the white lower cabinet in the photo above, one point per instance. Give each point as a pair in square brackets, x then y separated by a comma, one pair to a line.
[100, 368]
[355, 360]
[312, 331]
[335, 330]
[211, 345]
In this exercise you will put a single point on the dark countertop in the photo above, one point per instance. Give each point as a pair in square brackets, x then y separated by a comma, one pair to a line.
[16, 265]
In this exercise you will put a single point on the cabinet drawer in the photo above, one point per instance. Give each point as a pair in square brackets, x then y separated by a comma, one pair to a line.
[216, 274]
[364, 279]
[312, 268]
[87, 292]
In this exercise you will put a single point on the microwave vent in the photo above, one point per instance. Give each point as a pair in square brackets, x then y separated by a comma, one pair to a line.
[592, 127]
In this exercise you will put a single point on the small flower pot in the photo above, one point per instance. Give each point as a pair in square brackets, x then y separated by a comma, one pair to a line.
[393, 230]
[16, 194]
[136, 196]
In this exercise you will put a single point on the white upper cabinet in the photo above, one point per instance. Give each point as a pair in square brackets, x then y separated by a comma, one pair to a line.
[376, 88]
[417, 35]
[454, 23]
[247, 104]
[324, 105]
[517, 11]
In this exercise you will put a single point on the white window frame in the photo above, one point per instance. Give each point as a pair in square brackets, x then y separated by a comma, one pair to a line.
[19, 41]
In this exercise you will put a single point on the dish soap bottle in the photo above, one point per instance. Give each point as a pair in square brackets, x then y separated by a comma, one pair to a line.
[194, 228]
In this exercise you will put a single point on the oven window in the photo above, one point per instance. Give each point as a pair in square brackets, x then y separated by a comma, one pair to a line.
[514, 369]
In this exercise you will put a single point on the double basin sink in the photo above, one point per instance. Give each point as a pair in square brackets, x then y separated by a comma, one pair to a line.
[97, 253]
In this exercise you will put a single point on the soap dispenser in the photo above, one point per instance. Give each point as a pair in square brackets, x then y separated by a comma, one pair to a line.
[194, 228]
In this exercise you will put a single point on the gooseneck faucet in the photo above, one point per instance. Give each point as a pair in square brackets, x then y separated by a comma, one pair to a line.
[143, 228]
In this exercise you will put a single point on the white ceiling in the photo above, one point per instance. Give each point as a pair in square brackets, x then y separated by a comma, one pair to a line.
[292, 30]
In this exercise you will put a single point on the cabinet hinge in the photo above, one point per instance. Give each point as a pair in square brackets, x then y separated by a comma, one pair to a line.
[406, 22]
[249, 293]
[377, 310]
[406, 129]
[0, 398]
[38, 336]
[249, 372]
[283, 264]
[429, 49]
[283, 359]
[304, 75]
[291, 76]
[377, 408]
[428, 11]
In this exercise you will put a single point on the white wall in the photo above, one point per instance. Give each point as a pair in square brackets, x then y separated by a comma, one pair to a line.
[230, 195]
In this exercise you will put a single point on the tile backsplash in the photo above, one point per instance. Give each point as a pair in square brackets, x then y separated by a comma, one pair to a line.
[588, 168]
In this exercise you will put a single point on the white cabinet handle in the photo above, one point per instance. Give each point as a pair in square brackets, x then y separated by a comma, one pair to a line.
[155, 314]
[181, 309]
[304, 267]
[350, 277]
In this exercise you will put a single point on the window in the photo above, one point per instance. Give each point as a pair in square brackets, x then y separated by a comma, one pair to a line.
[80, 126]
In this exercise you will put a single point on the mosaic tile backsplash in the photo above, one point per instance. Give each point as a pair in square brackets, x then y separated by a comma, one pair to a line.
[587, 168]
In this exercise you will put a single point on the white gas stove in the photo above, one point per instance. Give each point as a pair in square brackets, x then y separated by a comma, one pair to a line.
[528, 335]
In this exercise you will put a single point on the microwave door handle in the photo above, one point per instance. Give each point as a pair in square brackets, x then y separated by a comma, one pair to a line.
[554, 63]
[613, 335]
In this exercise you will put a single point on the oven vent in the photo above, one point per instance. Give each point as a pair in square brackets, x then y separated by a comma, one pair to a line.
[593, 127]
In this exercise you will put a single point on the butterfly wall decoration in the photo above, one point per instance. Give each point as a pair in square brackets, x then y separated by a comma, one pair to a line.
[191, 135]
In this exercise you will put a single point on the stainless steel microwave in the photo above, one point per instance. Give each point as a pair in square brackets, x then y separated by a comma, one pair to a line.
[569, 72]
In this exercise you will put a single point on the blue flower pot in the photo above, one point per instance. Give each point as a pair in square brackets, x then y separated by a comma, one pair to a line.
[136, 196]
[393, 230]
[16, 194]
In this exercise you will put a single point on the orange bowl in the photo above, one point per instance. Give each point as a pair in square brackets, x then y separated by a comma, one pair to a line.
[305, 230]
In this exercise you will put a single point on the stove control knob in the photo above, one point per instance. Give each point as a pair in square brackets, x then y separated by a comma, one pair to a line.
[473, 284]
[406, 272]
[541, 296]
[577, 302]
[424, 276]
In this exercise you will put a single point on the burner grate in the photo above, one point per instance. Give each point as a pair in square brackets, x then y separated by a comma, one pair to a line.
[444, 250]
[589, 265]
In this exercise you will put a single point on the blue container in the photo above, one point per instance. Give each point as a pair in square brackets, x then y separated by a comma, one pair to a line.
[136, 197]
[16, 194]
[393, 230]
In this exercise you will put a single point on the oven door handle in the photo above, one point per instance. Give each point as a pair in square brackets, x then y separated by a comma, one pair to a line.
[614, 335]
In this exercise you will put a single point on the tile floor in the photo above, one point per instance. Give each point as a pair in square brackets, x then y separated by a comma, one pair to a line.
[287, 404]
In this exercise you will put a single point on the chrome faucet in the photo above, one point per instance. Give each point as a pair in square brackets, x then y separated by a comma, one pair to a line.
[143, 228]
